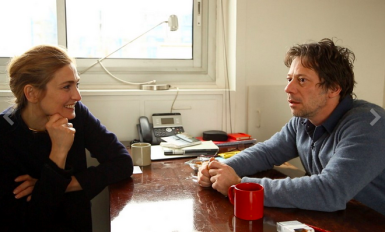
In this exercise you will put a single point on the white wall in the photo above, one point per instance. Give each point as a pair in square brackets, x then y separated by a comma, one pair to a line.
[201, 110]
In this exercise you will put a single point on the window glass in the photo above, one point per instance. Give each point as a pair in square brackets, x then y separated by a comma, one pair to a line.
[26, 23]
[96, 28]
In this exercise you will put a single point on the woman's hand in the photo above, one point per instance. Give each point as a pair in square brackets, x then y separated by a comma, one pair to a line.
[25, 188]
[62, 136]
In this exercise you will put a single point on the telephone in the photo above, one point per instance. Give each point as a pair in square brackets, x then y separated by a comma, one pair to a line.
[164, 124]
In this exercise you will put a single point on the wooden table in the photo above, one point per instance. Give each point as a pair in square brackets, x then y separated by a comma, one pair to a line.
[166, 197]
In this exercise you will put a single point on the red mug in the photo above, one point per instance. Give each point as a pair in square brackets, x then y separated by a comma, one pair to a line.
[247, 199]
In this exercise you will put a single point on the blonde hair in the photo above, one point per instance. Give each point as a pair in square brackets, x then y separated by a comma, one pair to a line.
[35, 67]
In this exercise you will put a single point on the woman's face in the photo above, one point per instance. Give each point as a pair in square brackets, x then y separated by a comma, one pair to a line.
[62, 93]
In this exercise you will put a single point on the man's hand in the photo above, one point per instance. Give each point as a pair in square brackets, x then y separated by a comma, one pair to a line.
[218, 175]
[203, 175]
[222, 177]
[25, 188]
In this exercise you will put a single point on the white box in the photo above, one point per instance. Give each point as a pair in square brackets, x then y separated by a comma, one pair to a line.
[293, 226]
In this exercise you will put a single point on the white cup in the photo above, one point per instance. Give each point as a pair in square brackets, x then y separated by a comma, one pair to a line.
[141, 154]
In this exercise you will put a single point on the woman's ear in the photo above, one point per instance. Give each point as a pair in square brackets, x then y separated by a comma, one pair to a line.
[31, 93]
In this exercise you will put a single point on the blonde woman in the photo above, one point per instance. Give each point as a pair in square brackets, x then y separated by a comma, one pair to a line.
[44, 179]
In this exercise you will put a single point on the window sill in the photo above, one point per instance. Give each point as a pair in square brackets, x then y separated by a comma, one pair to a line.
[122, 92]
[127, 92]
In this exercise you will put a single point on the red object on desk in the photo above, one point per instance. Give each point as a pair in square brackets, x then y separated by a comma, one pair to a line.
[247, 199]
[239, 136]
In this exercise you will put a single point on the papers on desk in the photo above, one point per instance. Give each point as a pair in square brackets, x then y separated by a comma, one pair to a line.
[206, 148]
[180, 141]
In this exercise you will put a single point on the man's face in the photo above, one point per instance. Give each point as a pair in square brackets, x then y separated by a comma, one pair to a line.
[61, 93]
[306, 98]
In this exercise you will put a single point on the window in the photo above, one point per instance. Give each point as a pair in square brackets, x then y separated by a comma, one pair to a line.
[26, 23]
[93, 29]
[111, 24]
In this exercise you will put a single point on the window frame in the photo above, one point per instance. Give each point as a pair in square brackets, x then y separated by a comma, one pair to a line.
[200, 71]
[162, 70]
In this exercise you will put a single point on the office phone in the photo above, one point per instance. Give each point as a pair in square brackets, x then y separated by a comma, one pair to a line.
[163, 125]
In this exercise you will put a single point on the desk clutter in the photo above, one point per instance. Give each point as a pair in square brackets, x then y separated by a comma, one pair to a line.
[229, 143]
[197, 162]
[185, 145]
[180, 141]
[207, 148]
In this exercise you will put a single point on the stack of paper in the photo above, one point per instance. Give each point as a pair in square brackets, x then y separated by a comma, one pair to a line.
[207, 148]
[180, 141]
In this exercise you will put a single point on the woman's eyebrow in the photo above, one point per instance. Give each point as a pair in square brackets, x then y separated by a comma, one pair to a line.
[70, 82]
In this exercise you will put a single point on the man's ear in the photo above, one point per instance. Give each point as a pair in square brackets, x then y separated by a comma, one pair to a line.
[334, 91]
[31, 93]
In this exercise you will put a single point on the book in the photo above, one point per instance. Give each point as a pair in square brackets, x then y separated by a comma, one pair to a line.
[207, 148]
[239, 136]
[180, 141]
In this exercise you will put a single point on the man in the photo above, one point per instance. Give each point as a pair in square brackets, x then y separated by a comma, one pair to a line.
[336, 137]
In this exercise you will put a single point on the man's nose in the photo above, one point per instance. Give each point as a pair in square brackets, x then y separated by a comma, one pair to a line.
[290, 87]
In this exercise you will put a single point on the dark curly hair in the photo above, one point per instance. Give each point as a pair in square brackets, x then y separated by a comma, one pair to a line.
[333, 64]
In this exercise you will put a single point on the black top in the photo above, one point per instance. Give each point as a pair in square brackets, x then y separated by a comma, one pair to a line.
[23, 151]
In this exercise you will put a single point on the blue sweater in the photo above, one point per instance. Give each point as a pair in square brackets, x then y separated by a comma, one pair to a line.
[344, 157]
[51, 209]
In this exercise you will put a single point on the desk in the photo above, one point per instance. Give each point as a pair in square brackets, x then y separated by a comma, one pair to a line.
[166, 197]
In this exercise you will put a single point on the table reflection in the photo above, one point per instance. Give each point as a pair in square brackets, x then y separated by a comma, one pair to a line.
[152, 215]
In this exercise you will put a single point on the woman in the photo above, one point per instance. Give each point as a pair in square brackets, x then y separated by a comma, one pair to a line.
[44, 179]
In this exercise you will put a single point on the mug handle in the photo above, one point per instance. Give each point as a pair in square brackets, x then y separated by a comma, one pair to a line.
[230, 194]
